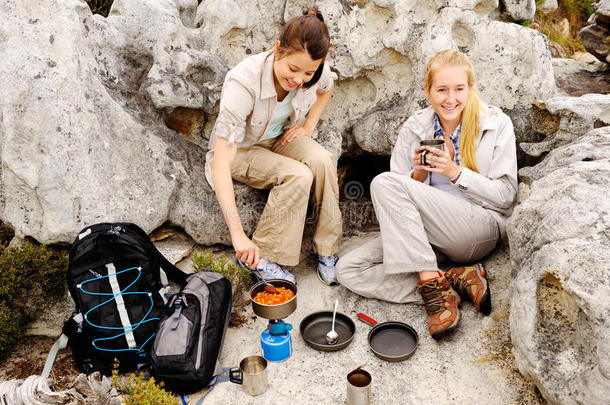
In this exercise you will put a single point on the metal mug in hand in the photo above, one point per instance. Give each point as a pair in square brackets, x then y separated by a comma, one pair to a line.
[432, 143]
[252, 374]
[358, 387]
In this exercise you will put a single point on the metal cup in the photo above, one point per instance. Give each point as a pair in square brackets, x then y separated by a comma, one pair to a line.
[251, 374]
[432, 143]
[359, 387]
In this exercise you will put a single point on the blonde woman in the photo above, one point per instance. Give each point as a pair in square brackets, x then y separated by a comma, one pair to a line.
[455, 206]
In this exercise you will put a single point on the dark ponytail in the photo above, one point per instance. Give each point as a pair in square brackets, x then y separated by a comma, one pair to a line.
[306, 33]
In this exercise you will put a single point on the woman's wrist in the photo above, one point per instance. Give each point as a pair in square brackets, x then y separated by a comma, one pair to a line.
[309, 128]
[456, 177]
[419, 175]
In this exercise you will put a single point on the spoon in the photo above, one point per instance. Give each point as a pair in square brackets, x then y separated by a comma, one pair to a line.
[332, 336]
[269, 287]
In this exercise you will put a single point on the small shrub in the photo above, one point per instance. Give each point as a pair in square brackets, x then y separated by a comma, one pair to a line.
[576, 12]
[10, 329]
[31, 277]
[223, 265]
[142, 392]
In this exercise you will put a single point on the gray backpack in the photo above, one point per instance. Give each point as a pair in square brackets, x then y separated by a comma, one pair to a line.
[191, 332]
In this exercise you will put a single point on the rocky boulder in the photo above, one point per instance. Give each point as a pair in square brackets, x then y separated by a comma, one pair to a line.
[520, 10]
[107, 119]
[560, 314]
[563, 119]
[596, 36]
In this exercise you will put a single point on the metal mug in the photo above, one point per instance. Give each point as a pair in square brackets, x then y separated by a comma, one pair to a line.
[251, 374]
[358, 387]
[432, 143]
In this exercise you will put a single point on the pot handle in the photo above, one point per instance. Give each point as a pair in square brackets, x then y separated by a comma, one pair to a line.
[366, 319]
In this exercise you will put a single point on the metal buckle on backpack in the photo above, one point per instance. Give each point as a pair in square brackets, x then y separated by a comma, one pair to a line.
[115, 230]
[177, 310]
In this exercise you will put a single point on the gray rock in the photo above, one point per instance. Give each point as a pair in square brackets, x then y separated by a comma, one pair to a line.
[596, 37]
[575, 116]
[593, 146]
[520, 10]
[87, 101]
[548, 6]
[559, 314]
[103, 153]
[477, 354]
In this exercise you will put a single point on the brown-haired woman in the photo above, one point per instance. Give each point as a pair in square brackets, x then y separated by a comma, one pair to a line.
[263, 136]
[456, 205]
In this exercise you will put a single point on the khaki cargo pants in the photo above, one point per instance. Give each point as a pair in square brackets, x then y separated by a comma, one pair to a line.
[419, 225]
[293, 172]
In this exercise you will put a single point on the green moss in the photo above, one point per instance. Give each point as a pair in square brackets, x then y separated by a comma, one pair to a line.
[31, 278]
[223, 265]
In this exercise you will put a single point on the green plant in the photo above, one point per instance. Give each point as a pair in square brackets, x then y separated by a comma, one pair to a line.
[139, 391]
[223, 265]
[576, 12]
[31, 277]
[100, 6]
[10, 329]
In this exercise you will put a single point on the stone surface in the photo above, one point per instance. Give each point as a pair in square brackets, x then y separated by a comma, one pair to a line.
[593, 146]
[580, 75]
[520, 10]
[477, 355]
[548, 6]
[596, 37]
[575, 116]
[559, 316]
[107, 119]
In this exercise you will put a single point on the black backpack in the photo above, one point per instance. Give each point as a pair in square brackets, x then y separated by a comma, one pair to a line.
[118, 281]
[191, 332]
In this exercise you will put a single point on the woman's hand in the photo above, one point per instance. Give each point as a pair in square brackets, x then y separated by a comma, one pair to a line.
[295, 132]
[246, 250]
[440, 162]
[419, 172]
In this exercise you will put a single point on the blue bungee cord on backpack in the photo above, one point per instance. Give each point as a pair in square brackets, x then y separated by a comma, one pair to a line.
[113, 297]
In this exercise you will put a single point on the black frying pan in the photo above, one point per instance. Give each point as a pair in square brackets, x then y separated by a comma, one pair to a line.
[315, 326]
[391, 341]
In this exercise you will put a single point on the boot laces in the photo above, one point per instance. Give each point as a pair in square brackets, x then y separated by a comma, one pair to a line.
[460, 283]
[434, 301]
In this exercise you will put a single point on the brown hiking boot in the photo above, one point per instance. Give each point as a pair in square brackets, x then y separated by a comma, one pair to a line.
[441, 303]
[471, 282]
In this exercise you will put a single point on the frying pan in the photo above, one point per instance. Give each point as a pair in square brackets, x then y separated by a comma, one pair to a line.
[391, 341]
[315, 326]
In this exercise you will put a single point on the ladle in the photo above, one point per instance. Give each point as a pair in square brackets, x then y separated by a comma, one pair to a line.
[332, 336]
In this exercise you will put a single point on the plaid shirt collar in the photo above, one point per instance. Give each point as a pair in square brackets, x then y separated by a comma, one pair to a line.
[455, 137]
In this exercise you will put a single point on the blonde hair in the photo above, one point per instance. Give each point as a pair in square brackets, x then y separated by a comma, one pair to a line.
[472, 109]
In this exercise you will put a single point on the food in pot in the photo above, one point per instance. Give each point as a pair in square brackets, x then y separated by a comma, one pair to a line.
[282, 295]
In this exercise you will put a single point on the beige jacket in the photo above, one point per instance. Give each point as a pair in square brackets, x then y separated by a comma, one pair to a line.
[248, 101]
[495, 186]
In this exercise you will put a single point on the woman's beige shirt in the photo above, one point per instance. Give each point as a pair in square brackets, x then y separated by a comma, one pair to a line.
[248, 101]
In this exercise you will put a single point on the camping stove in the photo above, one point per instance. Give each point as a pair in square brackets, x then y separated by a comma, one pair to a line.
[276, 340]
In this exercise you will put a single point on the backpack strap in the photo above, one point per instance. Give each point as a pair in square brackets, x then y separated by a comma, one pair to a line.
[60, 344]
[222, 377]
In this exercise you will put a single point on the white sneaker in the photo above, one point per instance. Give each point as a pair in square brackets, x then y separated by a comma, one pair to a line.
[268, 270]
